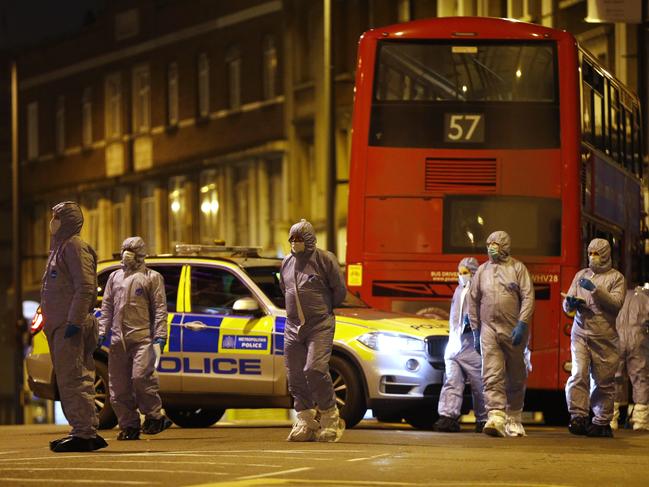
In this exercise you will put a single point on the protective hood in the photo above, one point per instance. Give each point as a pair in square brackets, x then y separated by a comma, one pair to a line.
[305, 230]
[71, 218]
[137, 246]
[501, 238]
[470, 263]
[603, 248]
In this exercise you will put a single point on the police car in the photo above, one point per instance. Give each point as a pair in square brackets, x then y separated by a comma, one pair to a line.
[225, 346]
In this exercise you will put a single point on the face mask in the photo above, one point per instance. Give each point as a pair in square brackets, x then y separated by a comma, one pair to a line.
[594, 260]
[493, 252]
[297, 247]
[55, 224]
[464, 279]
[128, 259]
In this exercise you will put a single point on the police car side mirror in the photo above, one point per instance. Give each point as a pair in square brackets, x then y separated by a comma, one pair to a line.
[246, 306]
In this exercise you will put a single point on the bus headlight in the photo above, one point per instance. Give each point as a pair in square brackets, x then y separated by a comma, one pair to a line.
[390, 342]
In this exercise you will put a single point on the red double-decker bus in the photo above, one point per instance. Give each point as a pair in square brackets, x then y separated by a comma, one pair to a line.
[463, 126]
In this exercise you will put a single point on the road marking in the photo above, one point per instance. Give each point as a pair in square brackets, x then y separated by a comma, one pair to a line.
[9, 452]
[185, 462]
[95, 469]
[272, 474]
[80, 481]
[368, 458]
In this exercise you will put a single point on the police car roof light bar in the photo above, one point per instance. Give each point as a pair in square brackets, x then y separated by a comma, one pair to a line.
[198, 249]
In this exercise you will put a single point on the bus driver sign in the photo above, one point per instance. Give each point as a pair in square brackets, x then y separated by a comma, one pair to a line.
[238, 342]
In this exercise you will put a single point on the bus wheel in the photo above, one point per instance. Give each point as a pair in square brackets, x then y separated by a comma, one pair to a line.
[421, 418]
[194, 417]
[349, 393]
[107, 417]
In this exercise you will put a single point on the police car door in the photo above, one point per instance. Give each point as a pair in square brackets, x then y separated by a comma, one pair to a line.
[224, 352]
[170, 367]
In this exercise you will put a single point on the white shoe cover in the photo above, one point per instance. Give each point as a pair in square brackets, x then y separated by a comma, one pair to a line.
[616, 416]
[495, 425]
[640, 417]
[305, 428]
[514, 425]
[332, 425]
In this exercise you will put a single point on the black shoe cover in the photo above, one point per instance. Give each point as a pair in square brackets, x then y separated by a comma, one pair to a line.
[53, 443]
[129, 434]
[578, 425]
[76, 444]
[600, 431]
[446, 425]
[479, 426]
[155, 426]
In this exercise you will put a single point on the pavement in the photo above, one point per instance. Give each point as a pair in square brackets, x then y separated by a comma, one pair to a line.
[256, 453]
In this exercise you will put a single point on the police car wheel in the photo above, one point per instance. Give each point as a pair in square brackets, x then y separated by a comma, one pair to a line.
[194, 417]
[349, 392]
[107, 417]
[421, 418]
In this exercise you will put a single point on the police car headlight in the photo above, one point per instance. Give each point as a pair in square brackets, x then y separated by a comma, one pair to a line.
[390, 342]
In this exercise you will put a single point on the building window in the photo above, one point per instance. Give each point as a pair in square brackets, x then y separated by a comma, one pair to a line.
[141, 100]
[203, 85]
[121, 218]
[149, 217]
[113, 103]
[172, 94]
[180, 211]
[233, 62]
[86, 118]
[60, 125]
[209, 207]
[269, 68]
[32, 130]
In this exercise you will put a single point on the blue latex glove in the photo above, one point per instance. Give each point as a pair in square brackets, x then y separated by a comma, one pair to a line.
[476, 341]
[572, 302]
[466, 321]
[518, 332]
[100, 341]
[160, 341]
[71, 330]
[586, 284]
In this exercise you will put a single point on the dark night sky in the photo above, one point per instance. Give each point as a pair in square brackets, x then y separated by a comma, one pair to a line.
[24, 22]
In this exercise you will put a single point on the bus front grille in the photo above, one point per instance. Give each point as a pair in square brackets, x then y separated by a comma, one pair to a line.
[461, 174]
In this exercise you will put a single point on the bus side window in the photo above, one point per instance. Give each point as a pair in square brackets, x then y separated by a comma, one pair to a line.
[637, 143]
[614, 114]
[628, 141]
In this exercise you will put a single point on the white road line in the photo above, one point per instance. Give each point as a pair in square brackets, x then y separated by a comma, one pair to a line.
[9, 452]
[272, 474]
[80, 481]
[368, 458]
[95, 469]
[185, 462]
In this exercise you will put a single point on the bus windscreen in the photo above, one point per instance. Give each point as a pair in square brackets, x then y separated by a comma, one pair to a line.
[465, 95]
[534, 224]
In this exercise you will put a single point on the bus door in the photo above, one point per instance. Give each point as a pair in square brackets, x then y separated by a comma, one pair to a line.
[223, 351]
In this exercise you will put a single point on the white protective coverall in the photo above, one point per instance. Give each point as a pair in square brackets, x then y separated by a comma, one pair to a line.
[134, 309]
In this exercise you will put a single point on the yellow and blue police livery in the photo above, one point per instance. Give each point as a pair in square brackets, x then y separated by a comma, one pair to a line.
[225, 345]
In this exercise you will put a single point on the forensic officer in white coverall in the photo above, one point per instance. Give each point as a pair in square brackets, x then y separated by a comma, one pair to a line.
[500, 310]
[134, 309]
[462, 360]
[68, 294]
[595, 296]
[313, 285]
[633, 331]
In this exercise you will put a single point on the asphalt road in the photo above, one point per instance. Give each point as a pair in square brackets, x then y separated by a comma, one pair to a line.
[372, 454]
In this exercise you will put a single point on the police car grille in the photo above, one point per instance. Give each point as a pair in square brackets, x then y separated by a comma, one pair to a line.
[435, 346]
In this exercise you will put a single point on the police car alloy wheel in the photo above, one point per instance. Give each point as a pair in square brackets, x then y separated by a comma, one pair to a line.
[194, 417]
[350, 397]
[107, 417]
